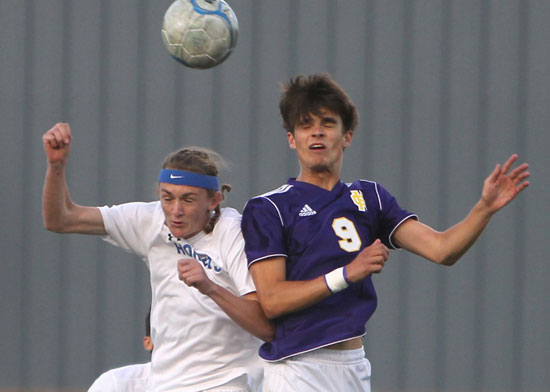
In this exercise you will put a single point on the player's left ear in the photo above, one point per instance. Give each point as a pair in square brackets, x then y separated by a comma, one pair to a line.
[215, 200]
[347, 136]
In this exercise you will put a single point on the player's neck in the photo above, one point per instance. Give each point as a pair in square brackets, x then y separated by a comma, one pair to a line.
[325, 180]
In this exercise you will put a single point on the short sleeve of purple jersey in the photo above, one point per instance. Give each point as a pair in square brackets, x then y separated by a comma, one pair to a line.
[263, 231]
[392, 216]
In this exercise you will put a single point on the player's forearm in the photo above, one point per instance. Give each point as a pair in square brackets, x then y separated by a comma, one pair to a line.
[290, 296]
[56, 199]
[245, 312]
[459, 238]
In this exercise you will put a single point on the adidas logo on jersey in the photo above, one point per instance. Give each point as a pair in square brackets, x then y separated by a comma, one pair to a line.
[307, 211]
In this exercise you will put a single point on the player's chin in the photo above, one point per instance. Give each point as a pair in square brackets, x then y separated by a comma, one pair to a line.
[178, 231]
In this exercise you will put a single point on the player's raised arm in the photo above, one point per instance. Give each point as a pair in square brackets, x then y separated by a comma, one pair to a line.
[59, 212]
[499, 189]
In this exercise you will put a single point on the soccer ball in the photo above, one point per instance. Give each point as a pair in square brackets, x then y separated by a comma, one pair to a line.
[200, 33]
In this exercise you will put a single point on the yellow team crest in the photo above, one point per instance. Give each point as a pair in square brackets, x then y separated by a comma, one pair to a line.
[358, 200]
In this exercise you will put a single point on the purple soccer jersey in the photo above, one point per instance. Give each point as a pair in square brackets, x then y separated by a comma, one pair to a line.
[317, 231]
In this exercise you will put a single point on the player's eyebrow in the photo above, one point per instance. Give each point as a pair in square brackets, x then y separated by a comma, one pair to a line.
[329, 119]
[183, 195]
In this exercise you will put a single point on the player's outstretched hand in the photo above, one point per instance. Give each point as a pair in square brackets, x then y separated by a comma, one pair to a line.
[369, 260]
[192, 274]
[502, 186]
[57, 143]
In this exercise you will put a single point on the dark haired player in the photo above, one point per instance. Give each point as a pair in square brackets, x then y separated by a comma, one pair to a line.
[313, 243]
[130, 378]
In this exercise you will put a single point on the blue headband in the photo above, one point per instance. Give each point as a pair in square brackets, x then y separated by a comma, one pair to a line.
[181, 177]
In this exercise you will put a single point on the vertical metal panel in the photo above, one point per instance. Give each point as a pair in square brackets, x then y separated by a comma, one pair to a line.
[501, 126]
[44, 69]
[445, 89]
[12, 77]
[537, 209]
[461, 321]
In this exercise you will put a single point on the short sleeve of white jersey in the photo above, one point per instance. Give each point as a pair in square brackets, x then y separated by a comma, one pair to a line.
[105, 382]
[132, 226]
[232, 245]
[131, 378]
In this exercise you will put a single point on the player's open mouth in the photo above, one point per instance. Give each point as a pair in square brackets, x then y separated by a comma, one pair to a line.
[317, 146]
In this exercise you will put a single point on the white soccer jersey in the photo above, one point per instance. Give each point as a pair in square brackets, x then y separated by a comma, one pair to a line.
[131, 378]
[197, 346]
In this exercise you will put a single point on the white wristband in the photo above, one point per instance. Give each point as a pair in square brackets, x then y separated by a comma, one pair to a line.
[336, 280]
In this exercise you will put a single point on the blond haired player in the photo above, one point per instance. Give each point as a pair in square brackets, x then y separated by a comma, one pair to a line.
[197, 328]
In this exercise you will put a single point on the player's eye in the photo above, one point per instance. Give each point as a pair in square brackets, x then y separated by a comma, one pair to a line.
[305, 122]
[329, 122]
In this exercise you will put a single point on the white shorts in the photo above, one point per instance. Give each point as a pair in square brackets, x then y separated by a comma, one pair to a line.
[239, 384]
[319, 370]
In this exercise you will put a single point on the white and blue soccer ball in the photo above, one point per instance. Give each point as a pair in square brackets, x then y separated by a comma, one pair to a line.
[200, 33]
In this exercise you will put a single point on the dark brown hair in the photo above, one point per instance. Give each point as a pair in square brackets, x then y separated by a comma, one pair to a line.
[306, 95]
[148, 323]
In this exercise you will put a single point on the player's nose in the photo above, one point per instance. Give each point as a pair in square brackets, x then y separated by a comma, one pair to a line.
[177, 208]
[317, 129]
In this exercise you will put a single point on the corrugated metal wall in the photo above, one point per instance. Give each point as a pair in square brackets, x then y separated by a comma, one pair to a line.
[446, 89]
